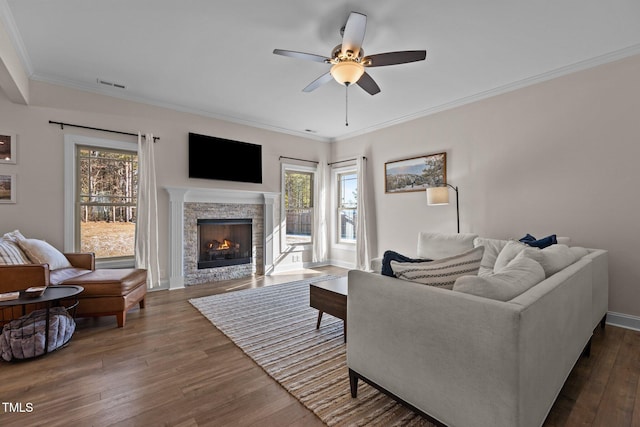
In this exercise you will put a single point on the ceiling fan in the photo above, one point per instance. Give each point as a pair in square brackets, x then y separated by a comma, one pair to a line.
[348, 60]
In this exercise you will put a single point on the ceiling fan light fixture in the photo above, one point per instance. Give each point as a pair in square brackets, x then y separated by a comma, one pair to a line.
[347, 72]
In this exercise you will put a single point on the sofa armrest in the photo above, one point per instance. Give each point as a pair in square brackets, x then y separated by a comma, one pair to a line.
[426, 344]
[20, 277]
[506, 360]
[376, 265]
[600, 291]
[84, 260]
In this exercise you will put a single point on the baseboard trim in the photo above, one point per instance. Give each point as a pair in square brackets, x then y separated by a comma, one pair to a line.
[623, 320]
[342, 264]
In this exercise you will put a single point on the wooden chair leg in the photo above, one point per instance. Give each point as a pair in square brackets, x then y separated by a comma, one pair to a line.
[142, 304]
[121, 318]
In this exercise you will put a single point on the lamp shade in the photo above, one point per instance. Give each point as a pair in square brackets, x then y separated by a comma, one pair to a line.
[437, 196]
[347, 72]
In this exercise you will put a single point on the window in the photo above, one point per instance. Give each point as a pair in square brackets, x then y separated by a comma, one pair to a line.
[101, 183]
[347, 203]
[298, 203]
[107, 194]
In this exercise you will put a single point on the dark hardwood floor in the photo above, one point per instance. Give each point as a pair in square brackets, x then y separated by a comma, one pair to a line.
[169, 366]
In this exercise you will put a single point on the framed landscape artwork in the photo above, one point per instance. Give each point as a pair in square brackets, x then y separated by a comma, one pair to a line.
[7, 188]
[7, 148]
[416, 173]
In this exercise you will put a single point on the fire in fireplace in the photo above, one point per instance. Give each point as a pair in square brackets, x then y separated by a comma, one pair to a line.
[224, 242]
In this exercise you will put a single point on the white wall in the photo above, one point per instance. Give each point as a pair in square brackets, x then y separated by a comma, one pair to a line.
[556, 157]
[39, 208]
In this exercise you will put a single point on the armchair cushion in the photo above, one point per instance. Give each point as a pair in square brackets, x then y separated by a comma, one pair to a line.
[58, 276]
[41, 252]
[11, 254]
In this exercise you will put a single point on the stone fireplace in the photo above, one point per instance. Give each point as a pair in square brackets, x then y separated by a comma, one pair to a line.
[223, 242]
[200, 255]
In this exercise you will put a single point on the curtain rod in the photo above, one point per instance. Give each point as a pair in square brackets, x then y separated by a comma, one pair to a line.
[301, 160]
[62, 125]
[348, 160]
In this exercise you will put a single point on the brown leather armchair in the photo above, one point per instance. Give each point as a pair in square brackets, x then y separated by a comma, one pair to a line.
[107, 292]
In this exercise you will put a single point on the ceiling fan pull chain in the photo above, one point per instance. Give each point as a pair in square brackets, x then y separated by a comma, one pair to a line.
[346, 105]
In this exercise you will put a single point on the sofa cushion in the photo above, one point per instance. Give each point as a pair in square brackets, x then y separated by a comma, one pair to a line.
[554, 258]
[507, 254]
[389, 256]
[11, 254]
[441, 245]
[443, 272]
[515, 278]
[41, 252]
[492, 248]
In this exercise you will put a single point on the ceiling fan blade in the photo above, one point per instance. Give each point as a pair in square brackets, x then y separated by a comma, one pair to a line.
[301, 55]
[325, 78]
[393, 58]
[368, 84]
[353, 34]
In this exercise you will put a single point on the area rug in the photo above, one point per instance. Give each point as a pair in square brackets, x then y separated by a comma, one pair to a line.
[275, 326]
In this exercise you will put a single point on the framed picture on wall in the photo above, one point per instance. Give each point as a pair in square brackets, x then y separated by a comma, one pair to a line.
[416, 173]
[7, 148]
[7, 188]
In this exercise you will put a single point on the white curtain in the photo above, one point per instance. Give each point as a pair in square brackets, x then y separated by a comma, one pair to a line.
[146, 245]
[320, 218]
[363, 258]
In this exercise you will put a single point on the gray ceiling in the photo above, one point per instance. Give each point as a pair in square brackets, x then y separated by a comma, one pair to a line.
[215, 57]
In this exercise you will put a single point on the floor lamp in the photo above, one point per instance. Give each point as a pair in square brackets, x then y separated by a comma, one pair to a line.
[440, 196]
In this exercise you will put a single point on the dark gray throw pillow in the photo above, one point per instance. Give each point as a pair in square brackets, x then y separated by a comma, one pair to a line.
[395, 256]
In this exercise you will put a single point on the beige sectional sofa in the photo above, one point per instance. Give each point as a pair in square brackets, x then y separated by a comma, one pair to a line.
[470, 360]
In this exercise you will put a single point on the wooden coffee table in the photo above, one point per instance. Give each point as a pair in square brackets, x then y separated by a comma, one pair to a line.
[330, 296]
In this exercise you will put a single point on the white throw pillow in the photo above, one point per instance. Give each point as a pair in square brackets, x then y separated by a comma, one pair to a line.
[441, 273]
[519, 275]
[442, 245]
[533, 253]
[579, 251]
[41, 252]
[11, 254]
[507, 254]
[556, 258]
[492, 248]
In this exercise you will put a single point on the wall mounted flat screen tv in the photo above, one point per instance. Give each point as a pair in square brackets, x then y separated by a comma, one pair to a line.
[211, 157]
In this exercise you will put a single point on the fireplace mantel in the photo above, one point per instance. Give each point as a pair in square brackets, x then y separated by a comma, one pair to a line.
[178, 196]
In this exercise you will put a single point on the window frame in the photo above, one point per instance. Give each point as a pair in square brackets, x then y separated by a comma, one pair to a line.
[337, 173]
[286, 167]
[71, 191]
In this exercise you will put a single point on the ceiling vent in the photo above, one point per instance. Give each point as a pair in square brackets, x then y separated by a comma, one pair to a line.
[106, 83]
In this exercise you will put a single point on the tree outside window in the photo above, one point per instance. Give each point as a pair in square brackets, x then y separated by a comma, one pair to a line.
[107, 198]
[298, 202]
[347, 204]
